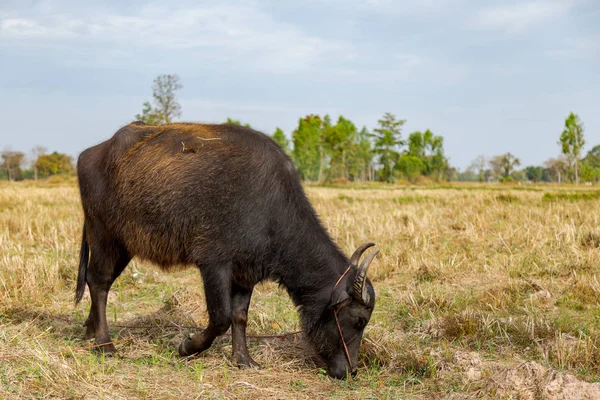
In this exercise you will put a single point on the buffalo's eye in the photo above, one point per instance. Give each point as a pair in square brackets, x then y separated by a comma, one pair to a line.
[361, 323]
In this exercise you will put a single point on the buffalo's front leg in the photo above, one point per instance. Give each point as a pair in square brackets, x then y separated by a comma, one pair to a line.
[217, 290]
[240, 301]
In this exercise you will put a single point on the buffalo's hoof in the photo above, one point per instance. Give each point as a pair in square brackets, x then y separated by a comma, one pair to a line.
[248, 363]
[108, 349]
[184, 348]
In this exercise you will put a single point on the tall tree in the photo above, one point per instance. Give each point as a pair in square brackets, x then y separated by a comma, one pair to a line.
[11, 163]
[504, 165]
[571, 142]
[308, 149]
[430, 149]
[36, 152]
[339, 141]
[416, 144]
[166, 107]
[361, 163]
[388, 138]
[437, 161]
[281, 140]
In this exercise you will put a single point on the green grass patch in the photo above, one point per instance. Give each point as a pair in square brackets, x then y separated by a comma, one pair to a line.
[571, 196]
[507, 198]
[411, 199]
[349, 199]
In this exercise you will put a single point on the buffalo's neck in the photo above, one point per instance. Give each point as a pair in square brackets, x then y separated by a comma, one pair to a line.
[311, 278]
[307, 262]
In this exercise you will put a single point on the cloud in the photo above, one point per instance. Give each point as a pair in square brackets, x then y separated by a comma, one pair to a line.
[225, 36]
[409, 60]
[515, 18]
[215, 32]
[406, 7]
[577, 48]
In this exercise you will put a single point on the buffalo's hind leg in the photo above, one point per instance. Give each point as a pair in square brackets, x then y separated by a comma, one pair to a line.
[106, 264]
[217, 290]
[240, 301]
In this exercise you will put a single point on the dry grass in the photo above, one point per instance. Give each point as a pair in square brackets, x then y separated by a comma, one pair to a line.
[483, 291]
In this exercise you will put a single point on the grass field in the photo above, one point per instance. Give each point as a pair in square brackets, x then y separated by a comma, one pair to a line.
[482, 292]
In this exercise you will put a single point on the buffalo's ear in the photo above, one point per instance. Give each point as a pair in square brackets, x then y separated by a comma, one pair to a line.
[339, 295]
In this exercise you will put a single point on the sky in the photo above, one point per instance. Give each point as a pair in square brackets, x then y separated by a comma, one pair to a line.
[489, 76]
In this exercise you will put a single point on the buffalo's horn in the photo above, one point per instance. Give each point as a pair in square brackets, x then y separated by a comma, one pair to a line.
[360, 288]
[358, 253]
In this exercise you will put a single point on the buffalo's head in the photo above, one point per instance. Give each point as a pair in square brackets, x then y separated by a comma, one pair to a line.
[344, 320]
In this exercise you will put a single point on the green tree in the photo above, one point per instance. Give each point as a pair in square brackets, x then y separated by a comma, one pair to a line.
[410, 167]
[339, 143]
[386, 144]
[11, 163]
[590, 165]
[534, 173]
[361, 158]
[589, 173]
[571, 142]
[281, 140]
[150, 115]
[593, 157]
[236, 122]
[416, 145]
[437, 161]
[54, 164]
[308, 149]
[430, 149]
[166, 107]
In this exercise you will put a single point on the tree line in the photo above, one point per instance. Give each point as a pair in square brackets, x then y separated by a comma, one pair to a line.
[17, 166]
[324, 150]
[568, 166]
[327, 150]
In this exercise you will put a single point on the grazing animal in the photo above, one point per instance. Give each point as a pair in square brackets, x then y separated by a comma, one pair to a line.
[227, 199]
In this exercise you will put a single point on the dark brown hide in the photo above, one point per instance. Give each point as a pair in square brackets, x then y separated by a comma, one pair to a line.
[228, 200]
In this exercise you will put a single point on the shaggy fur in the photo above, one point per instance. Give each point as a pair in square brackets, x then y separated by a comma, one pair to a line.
[228, 200]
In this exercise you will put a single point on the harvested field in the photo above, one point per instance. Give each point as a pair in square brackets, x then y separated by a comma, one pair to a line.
[482, 292]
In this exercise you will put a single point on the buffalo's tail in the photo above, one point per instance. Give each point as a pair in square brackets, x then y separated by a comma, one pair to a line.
[84, 257]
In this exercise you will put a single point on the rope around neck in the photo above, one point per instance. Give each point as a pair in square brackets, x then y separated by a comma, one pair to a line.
[337, 321]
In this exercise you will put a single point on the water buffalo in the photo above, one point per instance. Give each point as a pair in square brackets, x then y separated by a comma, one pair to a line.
[227, 199]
